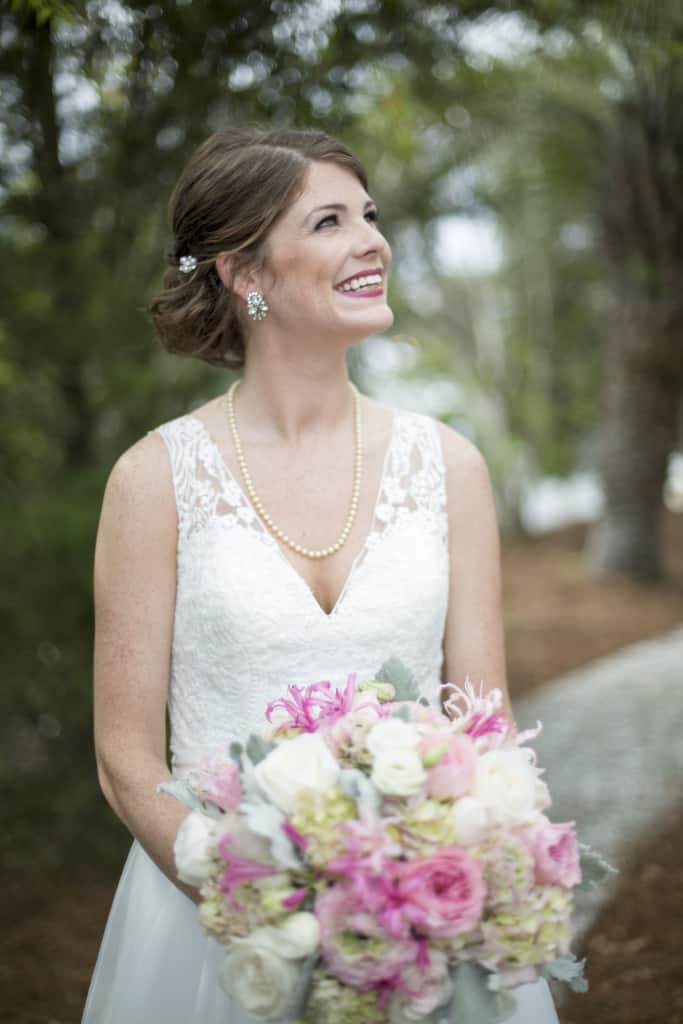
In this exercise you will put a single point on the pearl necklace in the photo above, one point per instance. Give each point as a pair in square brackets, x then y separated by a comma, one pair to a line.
[258, 504]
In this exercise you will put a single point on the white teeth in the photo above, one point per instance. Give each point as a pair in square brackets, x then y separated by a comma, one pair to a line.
[360, 282]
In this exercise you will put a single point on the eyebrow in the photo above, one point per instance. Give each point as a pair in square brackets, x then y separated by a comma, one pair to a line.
[337, 206]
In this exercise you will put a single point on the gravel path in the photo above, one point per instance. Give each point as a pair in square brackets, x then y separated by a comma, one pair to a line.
[612, 747]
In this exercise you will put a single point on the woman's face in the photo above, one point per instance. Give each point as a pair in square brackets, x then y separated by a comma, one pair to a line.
[327, 261]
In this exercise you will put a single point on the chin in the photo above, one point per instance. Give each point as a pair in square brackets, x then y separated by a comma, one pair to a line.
[372, 322]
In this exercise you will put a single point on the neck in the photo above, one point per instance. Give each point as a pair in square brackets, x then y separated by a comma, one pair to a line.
[280, 399]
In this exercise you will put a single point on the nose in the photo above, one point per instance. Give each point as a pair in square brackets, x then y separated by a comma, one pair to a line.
[369, 239]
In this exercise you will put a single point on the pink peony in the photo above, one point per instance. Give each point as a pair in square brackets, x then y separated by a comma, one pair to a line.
[445, 892]
[218, 781]
[555, 852]
[452, 774]
[355, 948]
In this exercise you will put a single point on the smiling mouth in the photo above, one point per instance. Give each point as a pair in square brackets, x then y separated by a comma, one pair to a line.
[362, 285]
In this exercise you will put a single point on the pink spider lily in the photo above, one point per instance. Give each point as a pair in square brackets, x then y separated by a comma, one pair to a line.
[238, 870]
[295, 899]
[317, 704]
[481, 724]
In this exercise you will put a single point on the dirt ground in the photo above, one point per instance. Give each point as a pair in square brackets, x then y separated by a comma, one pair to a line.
[556, 619]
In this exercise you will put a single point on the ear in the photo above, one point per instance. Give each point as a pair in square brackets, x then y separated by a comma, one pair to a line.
[241, 282]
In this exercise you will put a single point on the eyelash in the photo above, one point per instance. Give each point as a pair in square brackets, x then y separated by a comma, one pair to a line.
[373, 214]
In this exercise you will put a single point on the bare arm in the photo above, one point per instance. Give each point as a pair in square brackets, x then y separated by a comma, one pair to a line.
[135, 557]
[474, 643]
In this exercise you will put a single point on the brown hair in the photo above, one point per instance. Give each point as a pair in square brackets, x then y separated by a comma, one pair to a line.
[230, 194]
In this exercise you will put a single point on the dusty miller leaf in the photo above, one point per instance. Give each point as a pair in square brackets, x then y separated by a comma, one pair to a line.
[401, 678]
[360, 788]
[304, 986]
[568, 969]
[594, 868]
[265, 819]
[257, 748]
[182, 791]
[401, 712]
[473, 1001]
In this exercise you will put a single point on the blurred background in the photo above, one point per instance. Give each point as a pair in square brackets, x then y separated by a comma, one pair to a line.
[527, 159]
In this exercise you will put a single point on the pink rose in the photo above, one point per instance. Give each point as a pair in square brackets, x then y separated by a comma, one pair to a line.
[444, 893]
[355, 948]
[426, 986]
[555, 852]
[218, 781]
[452, 774]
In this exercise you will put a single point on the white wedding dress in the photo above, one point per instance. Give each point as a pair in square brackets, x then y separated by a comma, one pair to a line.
[246, 626]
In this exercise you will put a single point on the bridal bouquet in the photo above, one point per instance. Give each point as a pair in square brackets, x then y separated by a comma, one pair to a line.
[369, 859]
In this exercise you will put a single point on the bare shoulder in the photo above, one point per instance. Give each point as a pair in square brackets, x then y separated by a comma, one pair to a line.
[139, 496]
[464, 462]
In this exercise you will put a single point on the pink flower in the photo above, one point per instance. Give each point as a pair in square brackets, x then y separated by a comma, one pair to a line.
[427, 986]
[318, 704]
[445, 892]
[218, 781]
[452, 775]
[355, 948]
[237, 869]
[555, 852]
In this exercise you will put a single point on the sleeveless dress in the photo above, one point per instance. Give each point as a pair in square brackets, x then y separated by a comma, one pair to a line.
[246, 626]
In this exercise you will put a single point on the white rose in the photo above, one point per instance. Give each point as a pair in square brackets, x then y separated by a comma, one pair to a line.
[471, 820]
[392, 734]
[298, 936]
[506, 782]
[262, 982]
[398, 772]
[192, 848]
[304, 762]
[243, 842]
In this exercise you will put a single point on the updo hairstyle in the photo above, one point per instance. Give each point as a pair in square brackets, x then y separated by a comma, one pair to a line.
[232, 191]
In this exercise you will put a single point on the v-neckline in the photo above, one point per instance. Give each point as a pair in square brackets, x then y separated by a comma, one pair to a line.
[272, 540]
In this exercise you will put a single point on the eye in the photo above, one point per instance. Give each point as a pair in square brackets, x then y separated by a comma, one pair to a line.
[373, 215]
[331, 217]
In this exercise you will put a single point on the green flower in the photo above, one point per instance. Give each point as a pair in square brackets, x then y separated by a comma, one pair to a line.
[508, 869]
[423, 824]
[317, 817]
[536, 930]
[338, 1004]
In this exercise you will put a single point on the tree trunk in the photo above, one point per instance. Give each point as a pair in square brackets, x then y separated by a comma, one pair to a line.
[641, 400]
[640, 211]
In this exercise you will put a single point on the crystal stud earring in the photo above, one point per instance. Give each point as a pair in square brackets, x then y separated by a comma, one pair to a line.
[257, 307]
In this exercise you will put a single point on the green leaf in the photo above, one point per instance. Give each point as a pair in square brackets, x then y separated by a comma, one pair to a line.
[474, 1002]
[402, 712]
[401, 678]
[236, 750]
[182, 791]
[594, 868]
[257, 748]
[304, 986]
[568, 969]
[361, 789]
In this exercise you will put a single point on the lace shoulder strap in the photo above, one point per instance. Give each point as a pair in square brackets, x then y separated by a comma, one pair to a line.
[414, 480]
[203, 487]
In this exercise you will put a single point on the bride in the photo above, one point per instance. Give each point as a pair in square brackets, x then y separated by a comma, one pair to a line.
[289, 531]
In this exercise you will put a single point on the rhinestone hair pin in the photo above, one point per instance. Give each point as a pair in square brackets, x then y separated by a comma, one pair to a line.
[187, 264]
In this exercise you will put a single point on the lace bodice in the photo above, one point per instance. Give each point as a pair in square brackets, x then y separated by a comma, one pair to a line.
[247, 624]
